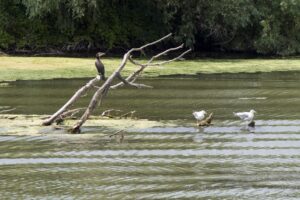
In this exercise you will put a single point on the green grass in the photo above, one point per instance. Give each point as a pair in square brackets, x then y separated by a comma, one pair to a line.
[35, 68]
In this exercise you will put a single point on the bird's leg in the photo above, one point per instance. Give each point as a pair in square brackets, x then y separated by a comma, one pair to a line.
[252, 123]
[99, 77]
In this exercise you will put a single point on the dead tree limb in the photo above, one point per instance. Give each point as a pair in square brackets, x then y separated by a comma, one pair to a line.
[82, 91]
[107, 113]
[132, 77]
[8, 110]
[67, 114]
[102, 91]
[119, 136]
[207, 121]
[96, 100]
[120, 131]
[131, 113]
[126, 82]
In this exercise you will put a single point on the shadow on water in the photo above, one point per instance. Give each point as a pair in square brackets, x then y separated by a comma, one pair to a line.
[177, 160]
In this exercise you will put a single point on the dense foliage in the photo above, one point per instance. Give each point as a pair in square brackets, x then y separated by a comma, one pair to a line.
[262, 26]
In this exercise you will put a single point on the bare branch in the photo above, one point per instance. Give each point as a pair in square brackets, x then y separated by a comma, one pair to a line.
[107, 113]
[131, 113]
[119, 136]
[96, 100]
[8, 110]
[164, 52]
[150, 44]
[72, 100]
[132, 77]
[136, 63]
[207, 121]
[102, 91]
[131, 83]
[167, 61]
[71, 113]
[120, 131]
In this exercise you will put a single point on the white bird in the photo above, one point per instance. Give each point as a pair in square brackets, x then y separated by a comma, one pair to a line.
[199, 115]
[246, 116]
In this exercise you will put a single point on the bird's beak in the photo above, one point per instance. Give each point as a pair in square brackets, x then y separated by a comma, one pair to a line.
[100, 54]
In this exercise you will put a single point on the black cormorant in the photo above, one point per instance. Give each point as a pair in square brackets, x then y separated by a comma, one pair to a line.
[100, 66]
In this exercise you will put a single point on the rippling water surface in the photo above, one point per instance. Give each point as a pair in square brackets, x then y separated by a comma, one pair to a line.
[225, 161]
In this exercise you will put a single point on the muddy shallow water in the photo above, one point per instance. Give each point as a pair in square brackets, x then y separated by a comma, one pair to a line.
[167, 159]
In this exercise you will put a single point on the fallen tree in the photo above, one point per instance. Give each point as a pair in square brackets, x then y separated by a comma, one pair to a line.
[102, 91]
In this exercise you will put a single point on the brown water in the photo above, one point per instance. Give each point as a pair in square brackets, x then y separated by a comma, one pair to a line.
[224, 161]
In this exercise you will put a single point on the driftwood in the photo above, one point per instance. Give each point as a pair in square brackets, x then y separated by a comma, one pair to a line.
[8, 110]
[108, 113]
[67, 114]
[102, 91]
[128, 114]
[112, 113]
[207, 121]
[11, 117]
[119, 136]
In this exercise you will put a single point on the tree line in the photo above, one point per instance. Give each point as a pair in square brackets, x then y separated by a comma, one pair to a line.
[268, 27]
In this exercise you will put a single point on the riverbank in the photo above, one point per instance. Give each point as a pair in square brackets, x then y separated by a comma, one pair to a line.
[36, 68]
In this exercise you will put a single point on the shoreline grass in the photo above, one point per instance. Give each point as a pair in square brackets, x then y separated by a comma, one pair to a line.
[37, 68]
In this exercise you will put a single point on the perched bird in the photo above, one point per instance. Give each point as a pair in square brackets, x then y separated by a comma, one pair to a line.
[100, 66]
[245, 116]
[199, 115]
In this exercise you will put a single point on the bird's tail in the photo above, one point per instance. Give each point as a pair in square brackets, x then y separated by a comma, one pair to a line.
[234, 114]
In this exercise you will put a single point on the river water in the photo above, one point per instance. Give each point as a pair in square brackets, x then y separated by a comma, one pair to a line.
[225, 161]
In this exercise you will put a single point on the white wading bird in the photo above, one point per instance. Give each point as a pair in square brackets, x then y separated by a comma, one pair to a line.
[245, 116]
[199, 115]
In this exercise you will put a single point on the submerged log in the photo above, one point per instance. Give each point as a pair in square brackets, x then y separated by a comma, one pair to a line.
[207, 121]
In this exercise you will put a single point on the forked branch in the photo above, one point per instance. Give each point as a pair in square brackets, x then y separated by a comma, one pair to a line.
[102, 91]
[131, 83]
[132, 77]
